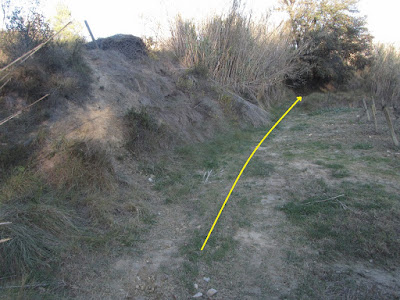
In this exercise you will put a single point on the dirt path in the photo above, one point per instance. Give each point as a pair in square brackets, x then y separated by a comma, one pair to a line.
[255, 252]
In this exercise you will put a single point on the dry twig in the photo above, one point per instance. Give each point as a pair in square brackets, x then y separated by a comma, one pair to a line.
[20, 111]
[312, 202]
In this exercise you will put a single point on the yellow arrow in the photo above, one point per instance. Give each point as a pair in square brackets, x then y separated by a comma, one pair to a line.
[244, 167]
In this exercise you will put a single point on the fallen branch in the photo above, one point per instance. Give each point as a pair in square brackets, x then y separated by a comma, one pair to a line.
[24, 286]
[344, 206]
[5, 277]
[60, 283]
[311, 202]
[5, 83]
[20, 111]
[206, 176]
[6, 239]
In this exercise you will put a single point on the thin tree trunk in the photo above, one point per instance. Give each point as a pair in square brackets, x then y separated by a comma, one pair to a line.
[390, 125]
[373, 107]
[366, 109]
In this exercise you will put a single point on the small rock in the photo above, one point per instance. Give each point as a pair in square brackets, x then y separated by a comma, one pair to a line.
[211, 292]
[196, 286]
[206, 279]
[198, 295]
[371, 260]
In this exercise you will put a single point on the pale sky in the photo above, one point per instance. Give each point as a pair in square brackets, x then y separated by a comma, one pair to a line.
[143, 17]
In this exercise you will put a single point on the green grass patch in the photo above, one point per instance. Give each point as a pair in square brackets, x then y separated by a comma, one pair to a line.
[215, 153]
[329, 111]
[341, 173]
[363, 146]
[288, 155]
[362, 223]
[258, 167]
[337, 170]
[299, 127]
[319, 145]
[378, 159]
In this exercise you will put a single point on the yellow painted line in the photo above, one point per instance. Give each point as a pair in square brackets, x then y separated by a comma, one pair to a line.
[244, 167]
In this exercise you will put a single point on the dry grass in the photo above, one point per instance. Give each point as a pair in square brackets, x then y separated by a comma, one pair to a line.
[65, 207]
[35, 236]
[237, 51]
[144, 133]
[80, 164]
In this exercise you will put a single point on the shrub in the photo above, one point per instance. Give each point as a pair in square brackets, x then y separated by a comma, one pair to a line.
[143, 131]
[24, 32]
[57, 68]
[13, 156]
[82, 165]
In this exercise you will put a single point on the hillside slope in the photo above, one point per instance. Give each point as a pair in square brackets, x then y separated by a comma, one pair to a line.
[85, 162]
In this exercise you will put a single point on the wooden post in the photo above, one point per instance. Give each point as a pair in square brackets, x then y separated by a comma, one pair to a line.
[91, 34]
[390, 125]
[373, 107]
[366, 109]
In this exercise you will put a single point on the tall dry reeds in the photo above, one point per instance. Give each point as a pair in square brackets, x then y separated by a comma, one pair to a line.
[384, 82]
[237, 51]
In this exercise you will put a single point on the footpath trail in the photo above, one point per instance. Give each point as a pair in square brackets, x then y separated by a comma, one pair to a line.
[255, 252]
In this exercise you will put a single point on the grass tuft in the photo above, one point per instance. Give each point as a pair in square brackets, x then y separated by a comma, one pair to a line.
[144, 133]
[363, 146]
[81, 165]
[38, 232]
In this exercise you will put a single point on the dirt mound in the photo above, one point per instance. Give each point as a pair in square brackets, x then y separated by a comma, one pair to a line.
[191, 111]
[184, 108]
[131, 46]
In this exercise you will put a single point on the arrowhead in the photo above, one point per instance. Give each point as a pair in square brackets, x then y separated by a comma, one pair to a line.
[299, 98]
